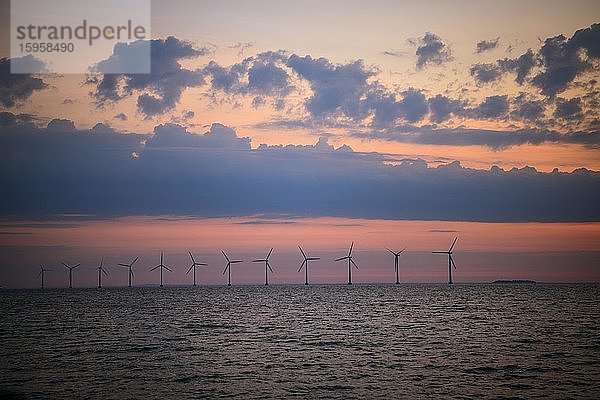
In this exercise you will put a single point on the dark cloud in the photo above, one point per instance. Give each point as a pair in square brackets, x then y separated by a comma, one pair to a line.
[521, 65]
[121, 116]
[486, 45]
[485, 73]
[442, 107]
[9, 119]
[432, 50]
[337, 88]
[15, 88]
[568, 109]
[528, 110]
[564, 59]
[494, 139]
[493, 107]
[181, 173]
[160, 89]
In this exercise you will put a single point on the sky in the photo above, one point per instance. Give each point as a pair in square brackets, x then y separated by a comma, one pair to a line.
[387, 123]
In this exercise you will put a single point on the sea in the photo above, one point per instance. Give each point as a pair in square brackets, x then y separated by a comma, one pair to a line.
[466, 341]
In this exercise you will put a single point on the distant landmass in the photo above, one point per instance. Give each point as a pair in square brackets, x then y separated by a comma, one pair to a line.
[519, 281]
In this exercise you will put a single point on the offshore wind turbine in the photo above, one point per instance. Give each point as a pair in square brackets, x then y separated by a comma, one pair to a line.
[130, 266]
[228, 267]
[193, 266]
[267, 266]
[396, 262]
[450, 260]
[41, 273]
[350, 263]
[161, 266]
[101, 270]
[305, 264]
[70, 273]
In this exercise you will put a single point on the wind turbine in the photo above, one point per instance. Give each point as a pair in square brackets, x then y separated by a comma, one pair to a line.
[130, 266]
[161, 266]
[450, 260]
[193, 266]
[101, 270]
[396, 262]
[267, 266]
[71, 273]
[41, 274]
[228, 267]
[305, 264]
[350, 263]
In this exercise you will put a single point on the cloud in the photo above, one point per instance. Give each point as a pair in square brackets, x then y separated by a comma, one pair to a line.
[432, 50]
[485, 73]
[486, 45]
[216, 173]
[494, 139]
[493, 107]
[442, 107]
[528, 110]
[160, 90]
[564, 59]
[568, 109]
[336, 88]
[16, 88]
[521, 65]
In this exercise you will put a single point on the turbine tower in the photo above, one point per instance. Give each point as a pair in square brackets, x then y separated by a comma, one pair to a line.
[397, 262]
[41, 273]
[350, 263]
[267, 266]
[161, 266]
[305, 264]
[193, 266]
[450, 260]
[101, 271]
[130, 266]
[228, 267]
[70, 273]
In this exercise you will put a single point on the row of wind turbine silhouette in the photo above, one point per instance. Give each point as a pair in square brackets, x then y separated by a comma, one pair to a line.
[304, 264]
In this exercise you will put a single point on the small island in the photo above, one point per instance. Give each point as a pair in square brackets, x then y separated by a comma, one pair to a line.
[514, 281]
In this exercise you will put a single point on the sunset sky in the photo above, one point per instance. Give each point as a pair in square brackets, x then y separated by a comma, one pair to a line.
[272, 124]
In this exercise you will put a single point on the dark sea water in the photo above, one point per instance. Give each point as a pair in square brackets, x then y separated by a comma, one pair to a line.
[371, 341]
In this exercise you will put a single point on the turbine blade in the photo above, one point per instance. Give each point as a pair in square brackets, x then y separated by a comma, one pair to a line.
[66, 265]
[76, 266]
[168, 269]
[225, 270]
[203, 264]
[158, 266]
[270, 251]
[341, 258]
[313, 258]
[161, 258]
[390, 251]
[192, 257]
[133, 262]
[188, 271]
[105, 273]
[302, 251]
[269, 266]
[452, 261]
[351, 246]
[236, 261]
[259, 260]
[352, 261]
[401, 250]
[131, 272]
[440, 252]
[102, 261]
[227, 258]
[453, 243]
[302, 265]
[123, 265]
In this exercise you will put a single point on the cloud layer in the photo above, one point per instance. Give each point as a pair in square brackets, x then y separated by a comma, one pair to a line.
[59, 169]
